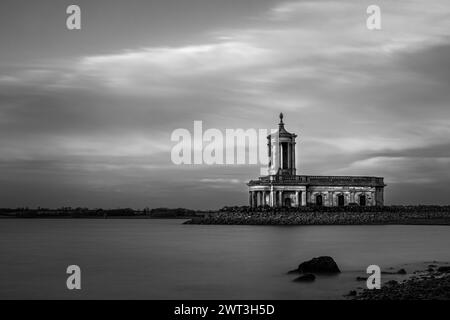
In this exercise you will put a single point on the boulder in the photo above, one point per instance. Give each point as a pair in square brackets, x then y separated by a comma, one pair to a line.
[307, 277]
[361, 278]
[445, 269]
[293, 271]
[352, 293]
[392, 283]
[401, 271]
[319, 265]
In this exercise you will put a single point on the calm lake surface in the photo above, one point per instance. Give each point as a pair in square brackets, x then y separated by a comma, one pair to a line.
[164, 259]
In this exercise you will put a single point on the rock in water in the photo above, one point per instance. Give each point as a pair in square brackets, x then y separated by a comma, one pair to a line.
[445, 269]
[352, 293]
[401, 271]
[361, 278]
[319, 265]
[293, 271]
[308, 277]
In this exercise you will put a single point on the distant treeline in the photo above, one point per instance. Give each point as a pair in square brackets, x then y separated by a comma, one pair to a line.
[68, 212]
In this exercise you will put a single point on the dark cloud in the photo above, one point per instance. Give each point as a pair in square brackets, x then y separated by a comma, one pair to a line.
[88, 123]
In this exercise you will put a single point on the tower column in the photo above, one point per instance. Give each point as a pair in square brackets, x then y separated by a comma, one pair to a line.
[280, 198]
[271, 197]
[289, 160]
[293, 159]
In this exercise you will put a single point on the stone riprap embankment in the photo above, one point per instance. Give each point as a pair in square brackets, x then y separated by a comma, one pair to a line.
[416, 215]
[432, 284]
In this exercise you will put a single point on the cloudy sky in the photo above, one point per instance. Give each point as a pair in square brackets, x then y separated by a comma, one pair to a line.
[86, 116]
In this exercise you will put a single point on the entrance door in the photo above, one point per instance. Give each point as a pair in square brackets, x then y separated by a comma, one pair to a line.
[319, 200]
[362, 200]
[341, 200]
[287, 202]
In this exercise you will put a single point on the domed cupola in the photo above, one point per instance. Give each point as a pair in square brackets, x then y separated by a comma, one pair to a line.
[281, 151]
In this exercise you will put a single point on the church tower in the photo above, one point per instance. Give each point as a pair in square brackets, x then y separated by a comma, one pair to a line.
[281, 149]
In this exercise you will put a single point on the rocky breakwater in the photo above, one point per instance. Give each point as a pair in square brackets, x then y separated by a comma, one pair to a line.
[433, 215]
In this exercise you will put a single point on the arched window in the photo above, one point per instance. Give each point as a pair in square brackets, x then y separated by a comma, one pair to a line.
[362, 200]
[319, 200]
[285, 155]
[341, 200]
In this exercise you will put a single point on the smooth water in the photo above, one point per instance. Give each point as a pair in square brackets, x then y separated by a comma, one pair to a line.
[164, 259]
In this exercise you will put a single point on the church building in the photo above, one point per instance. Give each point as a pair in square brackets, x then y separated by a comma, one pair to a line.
[282, 187]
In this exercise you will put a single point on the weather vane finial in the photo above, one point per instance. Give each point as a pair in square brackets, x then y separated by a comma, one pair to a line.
[281, 118]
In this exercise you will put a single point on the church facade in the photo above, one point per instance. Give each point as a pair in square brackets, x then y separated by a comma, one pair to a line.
[282, 187]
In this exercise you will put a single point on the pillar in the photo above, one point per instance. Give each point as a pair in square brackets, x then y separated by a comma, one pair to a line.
[289, 155]
[379, 196]
[303, 198]
[297, 196]
[275, 198]
[293, 163]
[280, 198]
[271, 199]
[250, 200]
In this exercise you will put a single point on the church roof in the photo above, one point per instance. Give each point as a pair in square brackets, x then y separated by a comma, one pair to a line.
[300, 180]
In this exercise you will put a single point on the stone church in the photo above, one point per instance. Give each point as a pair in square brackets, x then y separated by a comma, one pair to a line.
[283, 187]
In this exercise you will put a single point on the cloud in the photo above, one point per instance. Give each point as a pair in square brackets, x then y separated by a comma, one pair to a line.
[374, 102]
[221, 180]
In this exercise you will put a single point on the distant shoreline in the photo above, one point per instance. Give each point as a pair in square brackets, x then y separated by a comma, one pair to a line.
[202, 221]
[350, 215]
[86, 213]
[94, 218]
